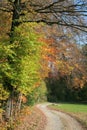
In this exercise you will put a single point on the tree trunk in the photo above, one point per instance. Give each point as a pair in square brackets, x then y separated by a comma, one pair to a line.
[15, 16]
[20, 102]
[15, 23]
[9, 108]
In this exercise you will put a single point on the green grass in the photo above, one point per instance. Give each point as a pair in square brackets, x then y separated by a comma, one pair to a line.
[78, 111]
[75, 108]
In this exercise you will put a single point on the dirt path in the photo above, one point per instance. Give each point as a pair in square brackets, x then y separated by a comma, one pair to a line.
[58, 120]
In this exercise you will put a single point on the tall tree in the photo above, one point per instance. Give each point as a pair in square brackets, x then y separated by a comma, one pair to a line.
[20, 66]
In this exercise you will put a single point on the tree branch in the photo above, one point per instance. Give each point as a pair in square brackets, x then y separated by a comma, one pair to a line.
[76, 26]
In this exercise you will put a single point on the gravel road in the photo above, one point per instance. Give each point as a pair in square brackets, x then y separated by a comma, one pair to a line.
[58, 120]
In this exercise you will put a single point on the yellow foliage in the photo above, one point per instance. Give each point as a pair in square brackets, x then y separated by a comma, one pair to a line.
[3, 93]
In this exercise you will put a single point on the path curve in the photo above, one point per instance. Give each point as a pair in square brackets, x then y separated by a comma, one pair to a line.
[58, 120]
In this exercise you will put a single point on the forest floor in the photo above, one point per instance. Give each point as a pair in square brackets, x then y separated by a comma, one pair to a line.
[35, 120]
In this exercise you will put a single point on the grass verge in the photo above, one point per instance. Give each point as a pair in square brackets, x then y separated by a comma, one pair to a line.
[78, 111]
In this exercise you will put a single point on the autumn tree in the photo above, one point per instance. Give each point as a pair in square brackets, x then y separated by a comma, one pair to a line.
[20, 67]
[67, 69]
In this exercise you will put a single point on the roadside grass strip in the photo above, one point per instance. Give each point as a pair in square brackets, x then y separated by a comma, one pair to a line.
[78, 111]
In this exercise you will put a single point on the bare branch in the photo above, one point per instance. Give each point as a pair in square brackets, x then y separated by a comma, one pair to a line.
[76, 26]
